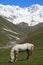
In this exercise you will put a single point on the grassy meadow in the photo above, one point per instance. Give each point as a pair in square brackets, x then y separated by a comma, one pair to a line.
[36, 58]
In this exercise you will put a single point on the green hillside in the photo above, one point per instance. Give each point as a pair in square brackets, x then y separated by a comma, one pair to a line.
[36, 38]
[8, 31]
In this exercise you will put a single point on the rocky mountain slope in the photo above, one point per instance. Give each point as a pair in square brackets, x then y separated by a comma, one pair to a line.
[8, 31]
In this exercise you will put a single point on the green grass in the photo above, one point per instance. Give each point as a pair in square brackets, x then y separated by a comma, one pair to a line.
[36, 58]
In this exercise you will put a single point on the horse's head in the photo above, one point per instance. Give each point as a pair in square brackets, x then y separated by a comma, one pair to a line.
[11, 59]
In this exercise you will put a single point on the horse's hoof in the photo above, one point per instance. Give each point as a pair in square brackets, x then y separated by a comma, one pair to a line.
[10, 62]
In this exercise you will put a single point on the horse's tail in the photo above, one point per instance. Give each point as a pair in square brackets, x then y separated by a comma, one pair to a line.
[32, 48]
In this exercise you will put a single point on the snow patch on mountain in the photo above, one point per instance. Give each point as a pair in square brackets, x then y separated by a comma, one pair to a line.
[9, 30]
[31, 15]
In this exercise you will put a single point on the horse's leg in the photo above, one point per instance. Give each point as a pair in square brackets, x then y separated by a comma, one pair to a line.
[16, 55]
[27, 54]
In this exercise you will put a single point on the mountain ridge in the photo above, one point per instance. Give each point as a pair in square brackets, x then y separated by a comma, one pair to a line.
[32, 15]
[26, 29]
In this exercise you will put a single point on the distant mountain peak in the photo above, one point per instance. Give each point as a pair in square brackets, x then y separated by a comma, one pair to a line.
[31, 15]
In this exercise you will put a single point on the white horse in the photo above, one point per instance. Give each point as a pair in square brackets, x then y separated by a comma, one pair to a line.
[20, 47]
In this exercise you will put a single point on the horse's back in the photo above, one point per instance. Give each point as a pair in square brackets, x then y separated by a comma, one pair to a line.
[20, 46]
[23, 46]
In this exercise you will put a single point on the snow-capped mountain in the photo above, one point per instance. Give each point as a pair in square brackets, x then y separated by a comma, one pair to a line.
[31, 15]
